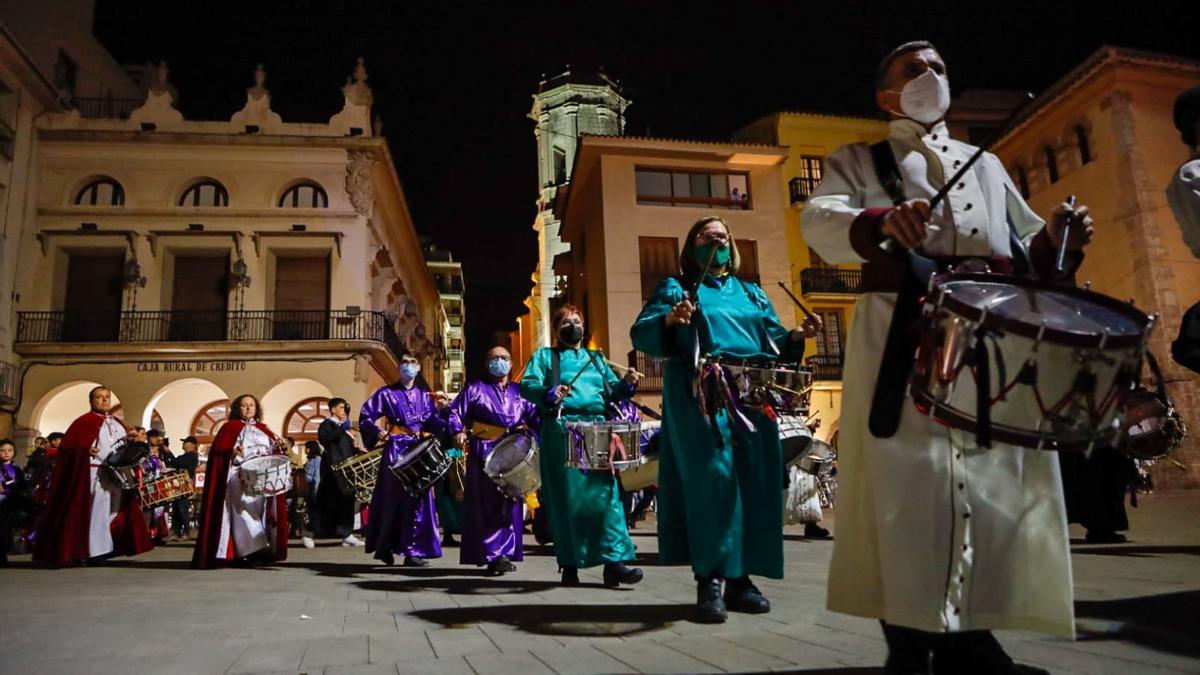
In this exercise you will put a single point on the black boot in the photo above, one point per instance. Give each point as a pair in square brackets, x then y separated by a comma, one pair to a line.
[1104, 537]
[909, 650]
[815, 531]
[570, 576]
[743, 596]
[449, 540]
[386, 558]
[976, 651]
[710, 608]
[616, 574]
[500, 566]
[413, 561]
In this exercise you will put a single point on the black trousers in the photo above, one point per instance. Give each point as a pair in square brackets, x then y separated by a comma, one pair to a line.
[917, 651]
[180, 515]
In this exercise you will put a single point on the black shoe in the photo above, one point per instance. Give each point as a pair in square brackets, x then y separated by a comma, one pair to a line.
[815, 531]
[710, 607]
[616, 574]
[386, 558]
[412, 561]
[449, 540]
[743, 596]
[500, 566]
[1104, 537]
[570, 576]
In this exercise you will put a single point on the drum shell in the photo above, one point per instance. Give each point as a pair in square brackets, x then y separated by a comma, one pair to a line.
[518, 480]
[421, 466]
[167, 488]
[794, 436]
[265, 476]
[588, 445]
[358, 475]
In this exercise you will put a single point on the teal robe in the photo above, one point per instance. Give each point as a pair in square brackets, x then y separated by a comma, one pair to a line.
[719, 503]
[587, 518]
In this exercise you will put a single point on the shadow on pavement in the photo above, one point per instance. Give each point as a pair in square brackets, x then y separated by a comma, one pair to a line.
[1135, 551]
[1164, 622]
[574, 619]
[470, 586]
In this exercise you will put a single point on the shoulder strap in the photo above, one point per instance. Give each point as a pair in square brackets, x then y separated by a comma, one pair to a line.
[886, 170]
[555, 368]
[603, 380]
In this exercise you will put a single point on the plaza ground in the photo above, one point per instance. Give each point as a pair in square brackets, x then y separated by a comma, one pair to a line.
[330, 610]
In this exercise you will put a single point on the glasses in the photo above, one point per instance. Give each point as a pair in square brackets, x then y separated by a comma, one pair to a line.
[710, 237]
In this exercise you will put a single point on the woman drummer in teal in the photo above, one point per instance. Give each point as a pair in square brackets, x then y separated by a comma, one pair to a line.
[720, 465]
[571, 383]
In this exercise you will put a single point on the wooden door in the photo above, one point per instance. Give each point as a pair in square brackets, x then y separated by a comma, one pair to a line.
[302, 298]
[93, 299]
[199, 297]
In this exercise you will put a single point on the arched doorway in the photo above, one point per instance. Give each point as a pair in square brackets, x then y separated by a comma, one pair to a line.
[302, 420]
[62, 405]
[156, 420]
[178, 404]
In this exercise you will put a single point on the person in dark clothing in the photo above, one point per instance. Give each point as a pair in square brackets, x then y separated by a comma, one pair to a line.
[1094, 488]
[15, 505]
[187, 461]
[332, 514]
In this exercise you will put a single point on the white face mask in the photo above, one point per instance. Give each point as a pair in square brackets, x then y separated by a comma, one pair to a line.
[1183, 195]
[925, 98]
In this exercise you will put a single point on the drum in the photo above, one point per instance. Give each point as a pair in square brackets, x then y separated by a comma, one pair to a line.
[358, 474]
[122, 464]
[782, 386]
[1154, 428]
[265, 475]
[422, 466]
[644, 475]
[513, 465]
[794, 436]
[819, 459]
[605, 446]
[1048, 367]
[172, 485]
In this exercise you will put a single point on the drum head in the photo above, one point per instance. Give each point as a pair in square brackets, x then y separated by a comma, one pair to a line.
[1073, 316]
[128, 453]
[419, 448]
[509, 453]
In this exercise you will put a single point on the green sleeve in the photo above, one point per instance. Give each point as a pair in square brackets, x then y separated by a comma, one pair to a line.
[789, 349]
[535, 381]
[649, 333]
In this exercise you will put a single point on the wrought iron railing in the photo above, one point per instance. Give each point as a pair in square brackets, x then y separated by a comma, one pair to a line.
[244, 326]
[107, 108]
[825, 366]
[651, 368]
[454, 354]
[10, 383]
[830, 280]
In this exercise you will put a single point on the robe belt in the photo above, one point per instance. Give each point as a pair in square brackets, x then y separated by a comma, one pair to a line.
[397, 429]
[896, 363]
[487, 432]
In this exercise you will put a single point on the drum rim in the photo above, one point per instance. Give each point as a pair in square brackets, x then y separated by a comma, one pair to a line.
[938, 296]
[954, 418]
[532, 451]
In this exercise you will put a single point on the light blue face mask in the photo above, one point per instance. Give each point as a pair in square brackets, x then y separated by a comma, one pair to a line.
[499, 367]
[408, 371]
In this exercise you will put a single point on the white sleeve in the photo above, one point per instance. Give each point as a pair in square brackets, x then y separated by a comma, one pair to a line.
[837, 201]
[1024, 219]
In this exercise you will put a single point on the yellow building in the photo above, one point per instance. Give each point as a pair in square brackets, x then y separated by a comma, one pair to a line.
[1104, 133]
[827, 290]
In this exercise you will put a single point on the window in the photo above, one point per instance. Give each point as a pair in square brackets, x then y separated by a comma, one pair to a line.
[101, 192]
[831, 338]
[209, 421]
[1023, 181]
[664, 187]
[306, 195]
[1051, 163]
[1085, 148]
[748, 251]
[207, 192]
[302, 420]
[801, 187]
[66, 73]
[659, 259]
[560, 166]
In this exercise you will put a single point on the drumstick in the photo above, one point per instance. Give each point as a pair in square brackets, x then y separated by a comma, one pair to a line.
[1060, 261]
[793, 392]
[799, 304]
[624, 369]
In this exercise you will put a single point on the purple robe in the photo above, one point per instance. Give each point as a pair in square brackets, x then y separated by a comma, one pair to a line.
[492, 523]
[399, 523]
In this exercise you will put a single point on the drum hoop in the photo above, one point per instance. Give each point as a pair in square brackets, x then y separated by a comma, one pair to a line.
[1032, 331]
[956, 419]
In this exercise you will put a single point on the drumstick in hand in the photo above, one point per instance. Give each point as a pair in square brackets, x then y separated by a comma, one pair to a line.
[623, 369]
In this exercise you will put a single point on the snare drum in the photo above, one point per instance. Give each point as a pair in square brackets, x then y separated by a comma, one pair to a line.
[122, 464]
[422, 466]
[513, 465]
[603, 446]
[641, 476]
[1153, 427]
[170, 486]
[794, 436]
[1053, 365]
[357, 475]
[782, 386]
[265, 476]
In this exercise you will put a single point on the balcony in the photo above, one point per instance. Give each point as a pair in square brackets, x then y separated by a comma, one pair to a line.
[455, 320]
[825, 366]
[830, 280]
[107, 108]
[237, 326]
[10, 383]
[454, 355]
[651, 368]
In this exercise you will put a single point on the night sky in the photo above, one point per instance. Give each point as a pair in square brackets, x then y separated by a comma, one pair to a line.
[452, 80]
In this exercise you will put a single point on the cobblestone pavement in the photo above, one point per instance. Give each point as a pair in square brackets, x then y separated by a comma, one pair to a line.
[330, 610]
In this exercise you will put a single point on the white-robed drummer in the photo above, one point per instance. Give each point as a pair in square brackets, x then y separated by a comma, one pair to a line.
[941, 542]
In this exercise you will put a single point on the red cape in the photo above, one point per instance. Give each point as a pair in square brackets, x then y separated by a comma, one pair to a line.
[212, 506]
[62, 533]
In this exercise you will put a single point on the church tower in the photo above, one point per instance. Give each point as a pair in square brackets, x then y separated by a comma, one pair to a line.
[564, 107]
